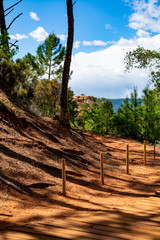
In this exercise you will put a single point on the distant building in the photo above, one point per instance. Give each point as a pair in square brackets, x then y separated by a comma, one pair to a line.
[81, 99]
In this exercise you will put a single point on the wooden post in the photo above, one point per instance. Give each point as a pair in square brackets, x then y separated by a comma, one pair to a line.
[101, 169]
[154, 144]
[145, 152]
[127, 159]
[154, 151]
[63, 178]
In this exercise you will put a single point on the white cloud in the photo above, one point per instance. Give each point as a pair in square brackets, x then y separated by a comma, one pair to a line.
[62, 37]
[94, 43]
[99, 43]
[87, 43]
[102, 74]
[143, 34]
[76, 44]
[146, 15]
[108, 26]
[34, 16]
[18, 36]
[151, 43]
[39, 34]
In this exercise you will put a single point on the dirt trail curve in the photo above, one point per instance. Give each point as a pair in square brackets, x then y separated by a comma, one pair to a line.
[31, 152]
[140, 221]
[130, 210]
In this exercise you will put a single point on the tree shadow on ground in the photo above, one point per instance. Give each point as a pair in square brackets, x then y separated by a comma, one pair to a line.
[106, 224]
[72, 177]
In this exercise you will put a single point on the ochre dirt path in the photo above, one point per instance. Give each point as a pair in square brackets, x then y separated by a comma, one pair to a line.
[31, 152]
[125, 207]
[140, 221]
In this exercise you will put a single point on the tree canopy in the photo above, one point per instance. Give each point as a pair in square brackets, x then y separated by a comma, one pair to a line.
[144, 58]
[50, 55]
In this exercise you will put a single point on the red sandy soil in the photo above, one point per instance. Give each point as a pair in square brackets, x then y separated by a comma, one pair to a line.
[31, 150]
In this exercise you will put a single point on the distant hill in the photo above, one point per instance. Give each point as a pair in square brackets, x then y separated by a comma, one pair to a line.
[116, 103]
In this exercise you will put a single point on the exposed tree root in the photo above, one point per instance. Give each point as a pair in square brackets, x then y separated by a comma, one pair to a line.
[14, 185]
[40, 185]
[22, 188]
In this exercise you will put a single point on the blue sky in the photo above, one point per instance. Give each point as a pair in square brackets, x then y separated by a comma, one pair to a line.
[104, 32]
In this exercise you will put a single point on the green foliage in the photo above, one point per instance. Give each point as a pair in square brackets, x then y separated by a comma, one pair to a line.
[31, 61]
[136, 119]
[48, 60]
[95, 118]
[143, 58]
[151, 113]
[124, 122]
[47, 98]
[11, 73]
[9, 51]
[121, 120]
[47, 95]
[23, 78]
[50, 56]
[4, 44]
[72, 109]
[127, 122]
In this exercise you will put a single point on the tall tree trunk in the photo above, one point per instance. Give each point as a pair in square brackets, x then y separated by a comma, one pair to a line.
[3, 28]
[49, 70]
[2, 18]
[67, 63]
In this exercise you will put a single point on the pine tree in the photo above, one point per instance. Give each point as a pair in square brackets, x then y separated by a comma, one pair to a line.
[50, 54]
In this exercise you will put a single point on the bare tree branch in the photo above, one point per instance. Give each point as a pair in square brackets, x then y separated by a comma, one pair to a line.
[13, 5]
[13, 21]
[74, 2]
[12, 44]
[3, 43]
[9, 12]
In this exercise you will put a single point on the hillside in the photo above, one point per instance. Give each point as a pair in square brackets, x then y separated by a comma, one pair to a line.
[31, 150]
